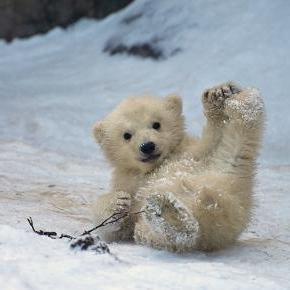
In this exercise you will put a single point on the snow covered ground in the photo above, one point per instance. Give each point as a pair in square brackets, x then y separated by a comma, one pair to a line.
[54, 87]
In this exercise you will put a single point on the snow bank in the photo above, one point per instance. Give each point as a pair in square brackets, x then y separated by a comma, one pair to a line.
[53, 88]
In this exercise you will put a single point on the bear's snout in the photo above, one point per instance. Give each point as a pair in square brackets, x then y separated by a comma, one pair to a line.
[147, 148]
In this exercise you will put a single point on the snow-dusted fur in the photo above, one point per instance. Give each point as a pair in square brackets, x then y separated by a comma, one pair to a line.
[198, 193]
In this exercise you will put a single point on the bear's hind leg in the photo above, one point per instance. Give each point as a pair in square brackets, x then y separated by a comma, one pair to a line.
[222, 206]
[206, 212]
[242, 135]
[169, 224]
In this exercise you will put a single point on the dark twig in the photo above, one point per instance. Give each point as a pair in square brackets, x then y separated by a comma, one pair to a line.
[110, 220]
[85, 241]
[52, 235]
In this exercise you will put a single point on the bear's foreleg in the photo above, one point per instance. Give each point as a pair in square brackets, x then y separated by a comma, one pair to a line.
[106, 205]
[213, 107]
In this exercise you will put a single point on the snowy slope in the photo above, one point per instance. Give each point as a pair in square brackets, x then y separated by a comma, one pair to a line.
[54, 87]
[62, 77]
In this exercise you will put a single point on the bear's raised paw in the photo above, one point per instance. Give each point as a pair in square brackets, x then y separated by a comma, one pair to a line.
[214, 99]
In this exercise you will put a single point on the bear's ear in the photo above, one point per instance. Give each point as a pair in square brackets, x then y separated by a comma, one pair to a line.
[174, 103]
[99, 132]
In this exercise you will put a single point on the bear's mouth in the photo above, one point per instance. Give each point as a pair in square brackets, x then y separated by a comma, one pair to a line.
[151, 158]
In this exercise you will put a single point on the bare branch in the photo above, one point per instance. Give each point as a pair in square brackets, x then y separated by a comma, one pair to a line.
[110, 220]
[115, 217]
[52, 235]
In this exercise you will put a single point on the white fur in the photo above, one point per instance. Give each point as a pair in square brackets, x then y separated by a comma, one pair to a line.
[198, 194]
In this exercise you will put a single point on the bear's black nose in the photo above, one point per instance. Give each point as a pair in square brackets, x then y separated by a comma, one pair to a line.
[147, 148]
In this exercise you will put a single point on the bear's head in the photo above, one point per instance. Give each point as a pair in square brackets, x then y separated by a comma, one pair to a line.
[141, 132]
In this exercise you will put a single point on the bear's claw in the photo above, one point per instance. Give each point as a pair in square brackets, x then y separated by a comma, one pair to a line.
[122, 203]
[214, 99]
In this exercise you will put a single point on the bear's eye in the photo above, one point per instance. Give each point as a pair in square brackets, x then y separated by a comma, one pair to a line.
[156, 125]
[127, 136]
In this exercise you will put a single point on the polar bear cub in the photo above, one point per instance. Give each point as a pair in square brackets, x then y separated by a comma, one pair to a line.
[193, 193]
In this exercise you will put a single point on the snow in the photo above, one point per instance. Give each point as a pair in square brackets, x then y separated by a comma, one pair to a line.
[54, 87]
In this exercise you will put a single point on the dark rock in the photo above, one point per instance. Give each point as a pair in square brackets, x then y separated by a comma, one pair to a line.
[144, 50]
[23, 18]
